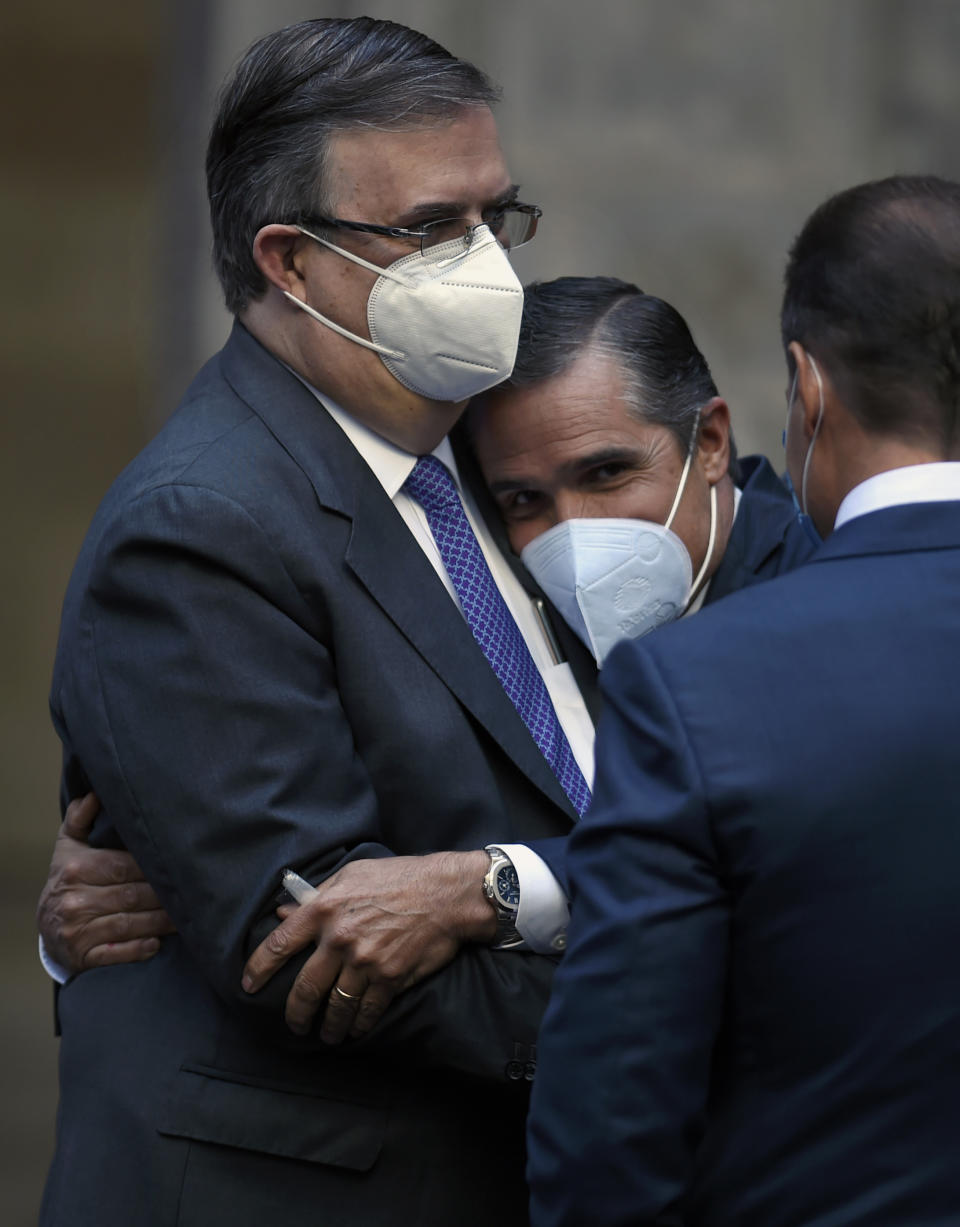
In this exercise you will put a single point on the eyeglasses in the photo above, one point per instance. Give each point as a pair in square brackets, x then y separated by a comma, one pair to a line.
[512, 225]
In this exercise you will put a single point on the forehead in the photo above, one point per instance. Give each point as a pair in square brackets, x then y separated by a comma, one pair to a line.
[550, 425]
[455, 161]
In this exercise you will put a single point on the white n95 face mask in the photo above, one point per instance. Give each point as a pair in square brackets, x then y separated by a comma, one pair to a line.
[615, 579]
[445, 322]
[611, 579]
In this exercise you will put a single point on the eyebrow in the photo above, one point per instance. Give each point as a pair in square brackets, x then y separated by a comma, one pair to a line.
[592, 460]
[429, 209]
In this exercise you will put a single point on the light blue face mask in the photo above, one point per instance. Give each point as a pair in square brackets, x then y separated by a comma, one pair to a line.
[800, 504]
[614, 579]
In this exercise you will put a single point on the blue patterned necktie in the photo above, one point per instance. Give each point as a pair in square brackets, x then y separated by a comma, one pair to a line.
[491, 622]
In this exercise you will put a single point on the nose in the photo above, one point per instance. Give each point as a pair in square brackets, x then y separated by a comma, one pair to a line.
[569, 506]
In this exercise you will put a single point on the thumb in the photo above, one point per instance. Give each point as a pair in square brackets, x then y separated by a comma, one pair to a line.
[79, 817]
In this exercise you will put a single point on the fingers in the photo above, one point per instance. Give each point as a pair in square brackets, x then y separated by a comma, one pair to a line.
[78, 820]
[355, 1018]
[123, 929]
[107, 901]
[287, 939]
[83, 866]
[311, 990]
[121, 952]
[79, 940]
[351, 1007]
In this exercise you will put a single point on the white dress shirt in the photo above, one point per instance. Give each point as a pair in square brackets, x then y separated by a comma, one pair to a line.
[543, 913]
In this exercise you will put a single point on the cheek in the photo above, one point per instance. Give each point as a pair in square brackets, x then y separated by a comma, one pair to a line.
[520, 535]
[692, 521]
[342, 293]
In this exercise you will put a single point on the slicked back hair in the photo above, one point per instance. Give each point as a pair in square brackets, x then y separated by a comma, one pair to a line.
[291, 91]
[872, 291]
[667, 378]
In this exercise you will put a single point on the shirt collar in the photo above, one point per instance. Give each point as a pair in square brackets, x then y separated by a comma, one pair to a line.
[391, 465]
[937, 482]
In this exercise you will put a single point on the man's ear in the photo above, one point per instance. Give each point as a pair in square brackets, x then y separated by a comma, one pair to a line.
[809, 388]
[713, 442]
[278, 254]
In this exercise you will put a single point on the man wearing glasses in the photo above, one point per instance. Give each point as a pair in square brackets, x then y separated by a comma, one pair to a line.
[290, 640]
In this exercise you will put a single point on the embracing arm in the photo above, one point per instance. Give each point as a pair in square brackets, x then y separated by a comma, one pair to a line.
[96, 907]
[206, 713]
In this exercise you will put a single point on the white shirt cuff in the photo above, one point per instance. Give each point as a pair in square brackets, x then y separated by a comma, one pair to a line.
[53, 970]
[544, 912]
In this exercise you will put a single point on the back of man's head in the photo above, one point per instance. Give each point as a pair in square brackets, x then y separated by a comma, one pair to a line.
[667, 378]
[289, 94]
[873, 293]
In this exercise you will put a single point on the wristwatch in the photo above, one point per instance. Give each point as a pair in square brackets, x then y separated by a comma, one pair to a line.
[502, 887]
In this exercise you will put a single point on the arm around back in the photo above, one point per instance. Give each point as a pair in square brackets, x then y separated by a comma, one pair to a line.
[201, 692]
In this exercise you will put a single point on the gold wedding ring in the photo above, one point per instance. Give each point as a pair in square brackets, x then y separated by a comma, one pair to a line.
[345, 996]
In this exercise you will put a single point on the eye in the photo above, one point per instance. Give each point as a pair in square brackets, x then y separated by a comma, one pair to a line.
[604, 474]
[520, 504]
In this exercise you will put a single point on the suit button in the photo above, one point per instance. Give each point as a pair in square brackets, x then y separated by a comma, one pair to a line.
[529, 1069]
[514, 1070]
[559, 942]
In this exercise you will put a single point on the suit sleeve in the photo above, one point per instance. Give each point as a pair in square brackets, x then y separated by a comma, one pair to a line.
[204, 708]
[626, 1045]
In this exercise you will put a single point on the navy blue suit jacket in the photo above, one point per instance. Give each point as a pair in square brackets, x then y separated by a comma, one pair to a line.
[757, 1019]
[258, 667]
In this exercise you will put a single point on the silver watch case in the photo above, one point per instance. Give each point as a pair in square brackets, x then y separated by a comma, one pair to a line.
[505, 909]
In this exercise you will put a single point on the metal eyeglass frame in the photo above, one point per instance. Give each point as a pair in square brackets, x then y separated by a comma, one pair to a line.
[402, 232]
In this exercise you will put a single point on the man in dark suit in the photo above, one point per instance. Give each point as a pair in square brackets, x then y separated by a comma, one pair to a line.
[608, 397]
[756, 1018]
[607, 392]
[288, 641]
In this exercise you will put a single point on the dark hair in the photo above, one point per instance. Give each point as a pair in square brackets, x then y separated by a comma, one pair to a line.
[667, 378]
[290, 92]
[872, 291]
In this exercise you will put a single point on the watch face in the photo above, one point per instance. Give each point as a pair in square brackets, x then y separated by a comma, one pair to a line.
[508, 886]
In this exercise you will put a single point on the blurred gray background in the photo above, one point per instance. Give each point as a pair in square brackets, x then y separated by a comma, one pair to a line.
[676, 143]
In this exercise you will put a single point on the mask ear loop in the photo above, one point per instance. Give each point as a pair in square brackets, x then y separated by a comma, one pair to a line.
[710, 544]
[816, 431]
[344, 332]
[713, 510]
[793, 393]
[686, 469]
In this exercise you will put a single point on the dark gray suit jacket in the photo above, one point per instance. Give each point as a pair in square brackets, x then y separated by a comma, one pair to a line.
[258, 667]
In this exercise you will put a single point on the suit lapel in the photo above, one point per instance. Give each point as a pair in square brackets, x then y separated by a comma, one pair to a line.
[382, 553]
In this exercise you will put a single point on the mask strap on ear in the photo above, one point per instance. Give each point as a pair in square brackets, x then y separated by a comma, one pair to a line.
[793, 392]
[710, 544]
[686, 469]
[816, 431]
[348, 255]
[351, 336]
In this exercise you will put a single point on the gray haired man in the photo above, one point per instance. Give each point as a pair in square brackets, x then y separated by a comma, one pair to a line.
[289, 640]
